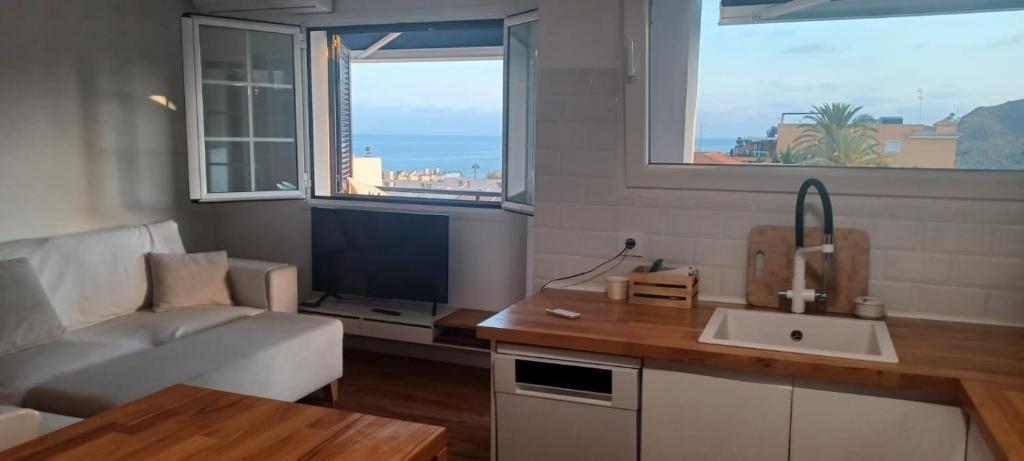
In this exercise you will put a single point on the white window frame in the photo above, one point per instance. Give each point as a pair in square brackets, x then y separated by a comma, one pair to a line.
[893, 142]
[320, 121]
[506, 203]
[640, 173]
[192, 62]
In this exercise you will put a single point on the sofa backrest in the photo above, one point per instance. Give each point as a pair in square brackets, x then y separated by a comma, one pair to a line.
[94, 276]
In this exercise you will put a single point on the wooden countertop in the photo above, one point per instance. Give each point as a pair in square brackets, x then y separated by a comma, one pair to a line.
[937, 357]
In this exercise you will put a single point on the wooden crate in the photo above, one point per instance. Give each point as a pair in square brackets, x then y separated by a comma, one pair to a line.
[662, 288]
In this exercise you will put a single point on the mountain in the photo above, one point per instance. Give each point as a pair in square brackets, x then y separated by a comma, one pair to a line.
[992, 137]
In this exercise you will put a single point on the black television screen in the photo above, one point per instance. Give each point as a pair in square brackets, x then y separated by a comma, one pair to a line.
[380, 254]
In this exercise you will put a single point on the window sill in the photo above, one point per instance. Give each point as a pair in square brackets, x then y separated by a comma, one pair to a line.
[916, 183]
[489, 211]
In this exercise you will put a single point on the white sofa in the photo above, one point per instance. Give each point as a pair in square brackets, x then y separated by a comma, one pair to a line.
[116, 349]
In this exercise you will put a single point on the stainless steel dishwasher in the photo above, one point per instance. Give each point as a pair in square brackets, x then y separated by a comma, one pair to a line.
[552, 404]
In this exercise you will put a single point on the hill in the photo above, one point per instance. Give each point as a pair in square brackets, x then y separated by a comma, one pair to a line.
[992, 137]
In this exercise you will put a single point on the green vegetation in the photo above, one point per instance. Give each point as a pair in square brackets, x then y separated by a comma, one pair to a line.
[837, 135]
[787, 156]
[992, 138]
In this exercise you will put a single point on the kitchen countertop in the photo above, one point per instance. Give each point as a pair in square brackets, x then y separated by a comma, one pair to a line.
[982, 366]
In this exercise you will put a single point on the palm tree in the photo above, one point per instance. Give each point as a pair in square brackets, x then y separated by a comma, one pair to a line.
[838, 135]
[476, 167]
[787, 156]
[846, 148]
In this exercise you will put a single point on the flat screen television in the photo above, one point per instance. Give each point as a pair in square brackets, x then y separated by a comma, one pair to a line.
[380, 254]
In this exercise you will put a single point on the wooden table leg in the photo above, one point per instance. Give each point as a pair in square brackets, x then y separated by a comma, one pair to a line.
[442, 455]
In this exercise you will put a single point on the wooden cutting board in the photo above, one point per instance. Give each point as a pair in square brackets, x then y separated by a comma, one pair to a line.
[770, 267]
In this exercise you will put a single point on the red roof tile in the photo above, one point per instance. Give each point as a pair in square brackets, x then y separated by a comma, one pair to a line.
[715, 158]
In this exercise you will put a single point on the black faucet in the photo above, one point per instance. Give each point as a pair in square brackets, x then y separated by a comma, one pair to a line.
[799, 294]
[826, 205]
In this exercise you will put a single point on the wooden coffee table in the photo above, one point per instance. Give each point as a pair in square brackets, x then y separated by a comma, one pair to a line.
[192, 423]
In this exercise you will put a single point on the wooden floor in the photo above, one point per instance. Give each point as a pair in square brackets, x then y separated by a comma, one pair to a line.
[423, 391]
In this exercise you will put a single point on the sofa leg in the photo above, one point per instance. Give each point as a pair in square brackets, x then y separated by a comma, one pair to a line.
[331, 391]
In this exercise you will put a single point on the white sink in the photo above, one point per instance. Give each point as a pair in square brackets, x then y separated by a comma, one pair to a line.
[805, 334]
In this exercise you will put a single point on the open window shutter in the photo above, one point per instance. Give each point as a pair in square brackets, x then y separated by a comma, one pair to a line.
[520, 112]
[340, 77]
[243, 109]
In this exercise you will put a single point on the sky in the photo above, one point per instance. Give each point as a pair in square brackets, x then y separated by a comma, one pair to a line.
[748, 76]
[440, 98]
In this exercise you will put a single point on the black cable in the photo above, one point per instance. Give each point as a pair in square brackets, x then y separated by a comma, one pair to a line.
[613, 258]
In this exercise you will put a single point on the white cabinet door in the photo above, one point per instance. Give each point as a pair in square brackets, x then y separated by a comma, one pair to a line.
[838, 426]
[978, 448]
[725, 417]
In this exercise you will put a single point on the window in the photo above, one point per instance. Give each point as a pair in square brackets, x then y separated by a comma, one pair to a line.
[720, 84]
[834, 90]
[414, 113]
[244, 136]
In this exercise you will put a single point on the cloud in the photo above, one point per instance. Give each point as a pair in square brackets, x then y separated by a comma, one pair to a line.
[1011, 40]
[811, 48]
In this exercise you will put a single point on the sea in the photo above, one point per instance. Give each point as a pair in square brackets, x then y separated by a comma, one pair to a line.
[409, 152]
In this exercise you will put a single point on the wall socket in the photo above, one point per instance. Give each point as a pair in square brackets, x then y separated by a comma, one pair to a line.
[640, 239]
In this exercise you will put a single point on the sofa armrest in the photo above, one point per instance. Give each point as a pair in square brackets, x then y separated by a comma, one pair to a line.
[264, 285]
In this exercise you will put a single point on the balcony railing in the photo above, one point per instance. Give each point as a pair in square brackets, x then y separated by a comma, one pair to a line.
[424, 191]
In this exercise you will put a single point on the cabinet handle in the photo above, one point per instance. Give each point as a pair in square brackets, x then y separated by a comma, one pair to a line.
[631, 61]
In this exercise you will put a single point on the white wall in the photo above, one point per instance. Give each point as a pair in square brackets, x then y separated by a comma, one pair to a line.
[81, 145]
[957, 259]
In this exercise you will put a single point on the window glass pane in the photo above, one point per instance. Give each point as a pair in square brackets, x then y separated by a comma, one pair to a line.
[520, 109]
[273, 112]
[272, 59]
[892, 92]
[227, 166]
[275, 167]
[225, 111]
[249, 110]
[223, 53]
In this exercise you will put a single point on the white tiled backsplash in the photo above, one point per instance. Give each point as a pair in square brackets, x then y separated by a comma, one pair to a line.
[950, 259]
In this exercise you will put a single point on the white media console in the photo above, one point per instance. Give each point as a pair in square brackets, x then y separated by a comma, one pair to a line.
[415, 324]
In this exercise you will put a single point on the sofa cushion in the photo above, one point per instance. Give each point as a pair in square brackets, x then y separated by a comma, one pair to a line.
[273, 355]
[26, 317]
[23, 370]
[95, 276]
[156, 328]
[186, 280]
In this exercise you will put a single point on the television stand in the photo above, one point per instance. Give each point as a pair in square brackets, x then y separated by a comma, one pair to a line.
[320, 301]
[375, 318]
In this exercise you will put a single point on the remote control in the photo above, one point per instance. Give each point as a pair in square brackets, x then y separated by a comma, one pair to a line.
[386, 311]
[564, 313]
